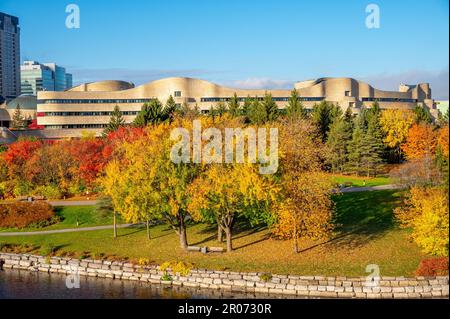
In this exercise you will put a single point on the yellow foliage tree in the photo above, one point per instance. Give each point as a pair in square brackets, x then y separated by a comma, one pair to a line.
[426, 213]
[443, 140]
[307, 208]
[225, 192]
[395, 124]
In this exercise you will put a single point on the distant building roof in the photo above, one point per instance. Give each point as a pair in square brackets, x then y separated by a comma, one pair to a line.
[26, 102]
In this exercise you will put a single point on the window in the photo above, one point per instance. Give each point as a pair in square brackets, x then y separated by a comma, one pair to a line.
[351, 104]
[177, 94]
[348, 93]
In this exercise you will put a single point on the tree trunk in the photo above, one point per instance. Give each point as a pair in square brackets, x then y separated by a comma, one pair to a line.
[183, 236]
[219, 233]
[229, 239]
[295, 244]
[115, 225]
[148, 229]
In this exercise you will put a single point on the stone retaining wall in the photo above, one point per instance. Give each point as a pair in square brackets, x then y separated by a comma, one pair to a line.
[301, 286]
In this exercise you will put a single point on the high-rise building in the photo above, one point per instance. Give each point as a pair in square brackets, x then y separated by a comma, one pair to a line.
[9, 57]
[69, 81]
[36, 77]
[59, 74]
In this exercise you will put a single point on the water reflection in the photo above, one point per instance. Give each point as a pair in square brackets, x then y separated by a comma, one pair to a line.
[37, 285]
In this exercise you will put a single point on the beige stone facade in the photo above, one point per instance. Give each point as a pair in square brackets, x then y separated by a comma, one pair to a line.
[89, 106]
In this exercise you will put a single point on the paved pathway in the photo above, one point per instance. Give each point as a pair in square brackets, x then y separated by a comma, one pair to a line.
[67, 230]
[370, 188]
[74, 203]
[93, 202]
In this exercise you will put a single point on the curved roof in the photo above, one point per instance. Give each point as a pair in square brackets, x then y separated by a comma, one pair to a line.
[103, 86]
[25, 101]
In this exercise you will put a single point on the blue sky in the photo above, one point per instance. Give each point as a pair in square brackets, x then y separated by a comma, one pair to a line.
[252, 43]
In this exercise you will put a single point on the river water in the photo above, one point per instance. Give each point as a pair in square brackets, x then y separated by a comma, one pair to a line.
[37, 285]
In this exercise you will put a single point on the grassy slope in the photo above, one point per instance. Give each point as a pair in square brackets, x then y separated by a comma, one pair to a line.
[86, 216]
[367, 235]
[358, 181]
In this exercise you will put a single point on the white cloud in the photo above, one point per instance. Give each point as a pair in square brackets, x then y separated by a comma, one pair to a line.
[261, 83]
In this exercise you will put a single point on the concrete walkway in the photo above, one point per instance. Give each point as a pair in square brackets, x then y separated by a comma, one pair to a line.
[61, 231]
[61, 203]
[371, 188]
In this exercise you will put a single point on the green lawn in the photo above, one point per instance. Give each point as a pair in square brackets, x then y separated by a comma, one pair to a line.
[357, 181]
[366, 235]
[85, 215]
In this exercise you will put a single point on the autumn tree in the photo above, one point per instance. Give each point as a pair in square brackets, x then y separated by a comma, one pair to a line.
[17, 155]
[395, 124]
[425, 211]
[226, 192]
[420, 141]
[306, 207]
[295, 108]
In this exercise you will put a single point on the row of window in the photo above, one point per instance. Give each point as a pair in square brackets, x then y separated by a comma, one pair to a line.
[75, 126]
[104, 113]
[388, 99]
[92, 101]
[242, 99]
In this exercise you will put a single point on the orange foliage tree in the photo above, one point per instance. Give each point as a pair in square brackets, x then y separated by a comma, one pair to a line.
[420, 141]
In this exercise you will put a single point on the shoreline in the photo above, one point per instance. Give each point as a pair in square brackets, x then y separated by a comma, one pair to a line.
[276, 285]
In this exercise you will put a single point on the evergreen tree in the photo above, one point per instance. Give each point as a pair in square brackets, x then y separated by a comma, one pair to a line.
[339, 138]
[151, 113]
[422, 115]
[116, 120]
[366, 147]
[323, 115]
[170, 108]
[295, 108]
[234, 106]
[18, 121]
[247, 106]
[257, 113]
[270, 107]
[220, 108]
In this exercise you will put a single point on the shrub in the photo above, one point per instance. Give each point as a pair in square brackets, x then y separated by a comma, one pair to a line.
[23, 214]
[166, 277]
[143, 262]
[265, 277]
[181, 268]
[48, 191]
[21, 188]
[433, 267]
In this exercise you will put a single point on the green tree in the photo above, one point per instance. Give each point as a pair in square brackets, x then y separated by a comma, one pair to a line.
[338, 141]
[18, 120]
[257, 113]
[270, 108]
[115, 122]
[323, 115]
[422, 115]
[247, 106]
[151, 113]
[295, 108]
[171, 107]
[234, 106]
